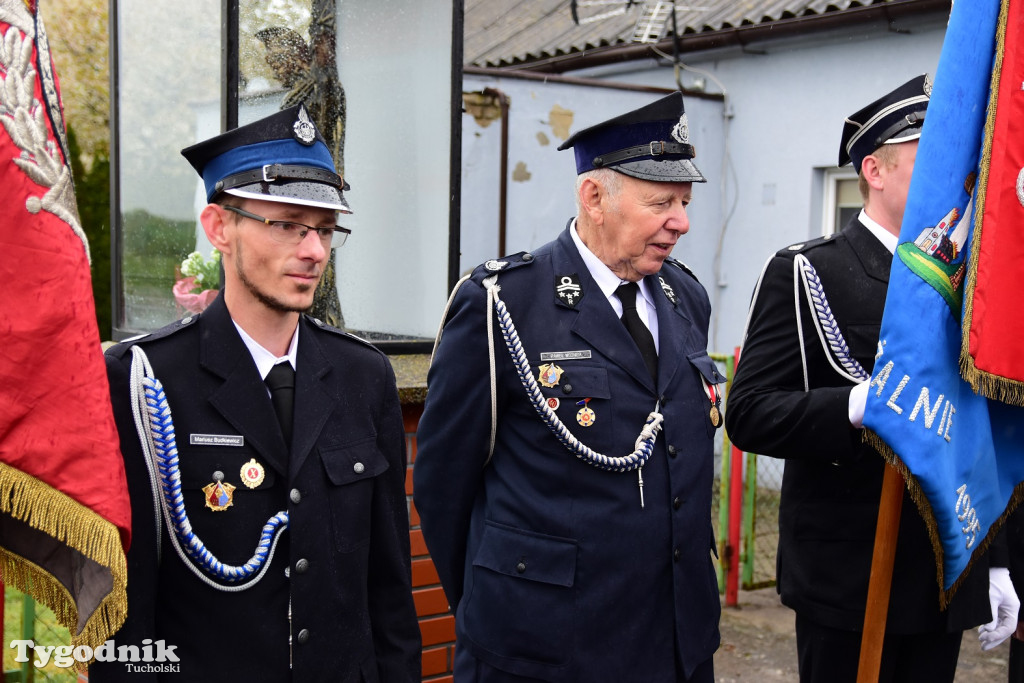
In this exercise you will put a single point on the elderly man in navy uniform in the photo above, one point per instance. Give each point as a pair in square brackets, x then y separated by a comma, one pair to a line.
[800, 395]
[270, 446]
[563, 479]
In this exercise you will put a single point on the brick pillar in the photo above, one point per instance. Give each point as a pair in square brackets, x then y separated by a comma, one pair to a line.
[437, 625]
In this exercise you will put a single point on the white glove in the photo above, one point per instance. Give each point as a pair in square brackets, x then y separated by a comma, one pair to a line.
[858, 401]
[1005, 606]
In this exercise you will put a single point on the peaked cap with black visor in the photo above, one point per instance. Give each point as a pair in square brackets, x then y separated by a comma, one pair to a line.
[279, 158]
[650, 143]
[895, 117]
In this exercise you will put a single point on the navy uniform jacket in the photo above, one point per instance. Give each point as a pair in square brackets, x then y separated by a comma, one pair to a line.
[347, 547]
[554, 569]
[832, 481]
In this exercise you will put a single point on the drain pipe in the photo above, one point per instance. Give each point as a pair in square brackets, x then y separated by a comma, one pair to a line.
[503, 184]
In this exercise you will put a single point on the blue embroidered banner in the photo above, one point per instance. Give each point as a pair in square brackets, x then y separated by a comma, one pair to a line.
[962, 454]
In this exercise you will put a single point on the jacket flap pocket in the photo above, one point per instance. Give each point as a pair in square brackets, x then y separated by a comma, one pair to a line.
[353, 461]
[527, 555]
[198, 468]
[706, 367]
[577, 380]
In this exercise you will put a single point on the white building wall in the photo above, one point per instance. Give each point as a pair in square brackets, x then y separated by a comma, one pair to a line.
[541, 179]
[787, 103]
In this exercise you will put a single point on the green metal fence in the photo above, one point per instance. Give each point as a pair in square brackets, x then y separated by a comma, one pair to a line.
[24, 619]
[755, 550]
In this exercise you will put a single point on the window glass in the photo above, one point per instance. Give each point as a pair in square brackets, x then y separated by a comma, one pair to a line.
[168, 71]
[376, 75]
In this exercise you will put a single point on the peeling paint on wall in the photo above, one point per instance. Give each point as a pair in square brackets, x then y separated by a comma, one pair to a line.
[560, 121]
[543, 139]
[520, 174]
[485, 109]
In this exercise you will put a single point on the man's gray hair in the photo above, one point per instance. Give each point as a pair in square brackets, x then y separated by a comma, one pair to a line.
[610, 180]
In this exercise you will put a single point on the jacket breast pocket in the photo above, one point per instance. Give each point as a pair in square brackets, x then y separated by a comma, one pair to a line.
[711, 380]
[521, 603]
[581, 398]
[352, 469]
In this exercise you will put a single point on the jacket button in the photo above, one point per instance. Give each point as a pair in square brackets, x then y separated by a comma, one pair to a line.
[295, 495]
[521, 567]
[527, 257]
[567, 388]
[672, 450]
[359, 468]
[676, 502]
[676, 554]
[302, 566]
[303, 636]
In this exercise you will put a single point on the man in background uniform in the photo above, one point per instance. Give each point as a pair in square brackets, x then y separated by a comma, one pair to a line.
[572, 545]
[799, 397]
[279, 421]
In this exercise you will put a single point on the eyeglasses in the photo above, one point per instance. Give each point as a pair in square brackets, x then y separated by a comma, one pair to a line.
[290, 232]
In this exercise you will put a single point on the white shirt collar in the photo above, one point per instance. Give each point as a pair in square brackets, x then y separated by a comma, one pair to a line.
[603, 275]
[888, 240]
[264, 359]
[609, 282]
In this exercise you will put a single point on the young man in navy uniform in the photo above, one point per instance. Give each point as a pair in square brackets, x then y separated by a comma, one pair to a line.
[798, 397]
[564, 488]
[278, 420]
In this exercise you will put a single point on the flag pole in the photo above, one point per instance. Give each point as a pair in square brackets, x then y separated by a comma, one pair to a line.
[880, 583]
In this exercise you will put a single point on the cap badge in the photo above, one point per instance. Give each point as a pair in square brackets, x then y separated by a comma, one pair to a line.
[550, 374]
[252, 473]
[568, 289]
[681, 131]
[669, 292]
[305, 131]
[928, 85]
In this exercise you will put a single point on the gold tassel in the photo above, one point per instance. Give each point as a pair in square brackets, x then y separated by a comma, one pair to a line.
[924, 507]
[51, 511]
[987, 384]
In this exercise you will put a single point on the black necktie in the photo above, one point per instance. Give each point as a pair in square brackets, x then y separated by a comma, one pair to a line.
[636, 328]
[281, 382]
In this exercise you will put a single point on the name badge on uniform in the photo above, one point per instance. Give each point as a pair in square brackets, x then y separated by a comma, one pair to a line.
[216, 440]
[568, 289]
[565, 355]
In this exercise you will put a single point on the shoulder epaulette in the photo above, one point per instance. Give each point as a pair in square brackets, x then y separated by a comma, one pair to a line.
[801, 247]
[681, 266]
[341, 333]
[502, 265]
[121, 348]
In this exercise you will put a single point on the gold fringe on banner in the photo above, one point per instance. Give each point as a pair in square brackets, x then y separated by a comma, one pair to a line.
[921, 501]
[54, 513]
[985, 383]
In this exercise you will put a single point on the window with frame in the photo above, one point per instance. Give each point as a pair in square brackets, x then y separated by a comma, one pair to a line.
[186, 71]
[841, 199]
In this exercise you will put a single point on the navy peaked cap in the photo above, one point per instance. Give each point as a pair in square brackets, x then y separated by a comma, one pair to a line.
[651, 143]
[895, 117]
[279, 158]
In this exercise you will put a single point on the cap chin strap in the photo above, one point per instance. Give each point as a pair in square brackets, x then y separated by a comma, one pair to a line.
[655, 148]
[269, 173]
[909, 121]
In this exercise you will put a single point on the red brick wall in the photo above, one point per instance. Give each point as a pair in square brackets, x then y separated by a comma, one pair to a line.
[437, 625]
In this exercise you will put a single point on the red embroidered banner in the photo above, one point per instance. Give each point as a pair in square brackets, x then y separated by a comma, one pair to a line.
[992, 357]
[64, 512]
